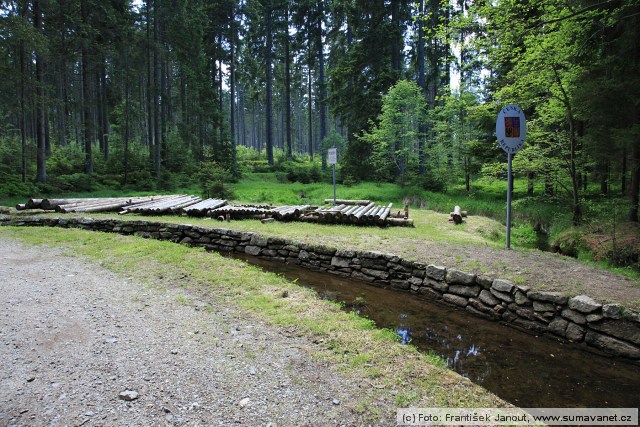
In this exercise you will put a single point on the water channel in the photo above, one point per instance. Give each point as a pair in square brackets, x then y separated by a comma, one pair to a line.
[523, 369]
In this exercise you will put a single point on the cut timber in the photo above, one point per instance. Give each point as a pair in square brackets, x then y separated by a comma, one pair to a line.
[347, 202]
[203, 207]
[21, 206]
[34, 204]
[400, 222]
[51, 204]
[385, 214]
[456, 215]
[99, 205]
[357, 215]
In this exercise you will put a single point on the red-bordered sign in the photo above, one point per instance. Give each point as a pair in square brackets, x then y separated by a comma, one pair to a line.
[511, 128]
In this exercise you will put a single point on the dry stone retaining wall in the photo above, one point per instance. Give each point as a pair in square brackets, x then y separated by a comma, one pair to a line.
[607, 327]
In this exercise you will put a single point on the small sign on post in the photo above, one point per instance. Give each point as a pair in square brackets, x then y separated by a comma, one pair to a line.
[511, 130]
[332, 159]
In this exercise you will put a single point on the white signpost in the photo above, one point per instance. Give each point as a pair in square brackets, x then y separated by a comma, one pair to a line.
[332, 159]
[511, 130]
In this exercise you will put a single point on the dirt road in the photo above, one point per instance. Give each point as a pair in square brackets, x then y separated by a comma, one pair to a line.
[78, 340]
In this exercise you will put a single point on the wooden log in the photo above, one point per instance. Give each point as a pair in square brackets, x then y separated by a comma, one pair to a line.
[386, 213]
[162, 206]
[456, 215]
[178, 209]
[21, 206]
[266, 220]
[34, 204]
[369, 216]
[201, 208]
[347, 202]
[156, 200]
[99, 207]
[360, 213]
[50, 204]
[463, 213]
[400, 222]
[351, 210]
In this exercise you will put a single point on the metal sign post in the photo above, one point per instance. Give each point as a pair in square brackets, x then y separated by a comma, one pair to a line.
[332, 155]
[509, 180]
[511, 130]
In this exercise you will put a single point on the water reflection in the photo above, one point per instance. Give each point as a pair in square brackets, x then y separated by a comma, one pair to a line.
[525, 370]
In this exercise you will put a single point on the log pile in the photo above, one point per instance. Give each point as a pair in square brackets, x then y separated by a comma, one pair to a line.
[288, 213]
[162, 205]
[239, 211]
[49, 204]
[357, 214]
[91, 205]
[98, 205]
[203, 207]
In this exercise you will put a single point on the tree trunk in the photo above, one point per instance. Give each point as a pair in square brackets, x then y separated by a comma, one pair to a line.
[422, 127]
[86, 96]
[23, 124]
[156, 93]
[310, 114]
[126, 115]
[321, 84]
[232, 88]
[150, 97]
[635, 181]
[396, 37]
[41, 170]
[269, 95]
[604, 175]
[287, 86]
[623, 172]
[104, 111]
[635, 155]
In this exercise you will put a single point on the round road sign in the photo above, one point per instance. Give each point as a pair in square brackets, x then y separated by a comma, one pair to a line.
[511, 128]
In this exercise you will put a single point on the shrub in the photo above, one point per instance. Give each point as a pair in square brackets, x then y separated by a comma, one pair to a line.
[12, 186]
[75, 182]
[211, 178]
[304, 173]
[568, 242]
[430, 181]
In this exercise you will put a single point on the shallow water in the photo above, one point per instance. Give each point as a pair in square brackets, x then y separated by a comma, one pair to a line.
[523, 369]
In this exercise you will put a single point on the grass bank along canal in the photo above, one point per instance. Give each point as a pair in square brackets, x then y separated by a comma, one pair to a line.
[526, 370]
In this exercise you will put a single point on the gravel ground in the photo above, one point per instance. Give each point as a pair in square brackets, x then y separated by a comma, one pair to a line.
[75, 336]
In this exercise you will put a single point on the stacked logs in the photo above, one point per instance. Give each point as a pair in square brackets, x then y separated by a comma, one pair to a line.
[203, 207]
[162, 206]
[89, 205]
[288, 213]
[357, 214]
[239, 211]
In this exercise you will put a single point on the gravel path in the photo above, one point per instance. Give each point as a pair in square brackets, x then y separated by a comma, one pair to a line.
[75, 336]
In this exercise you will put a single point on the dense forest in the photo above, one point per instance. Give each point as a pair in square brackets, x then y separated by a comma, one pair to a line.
[147, 93]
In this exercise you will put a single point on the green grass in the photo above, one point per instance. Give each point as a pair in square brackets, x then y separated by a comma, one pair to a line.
[352, 344]
[486, 202]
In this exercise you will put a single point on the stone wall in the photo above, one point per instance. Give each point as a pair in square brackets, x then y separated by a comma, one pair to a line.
[579, 319]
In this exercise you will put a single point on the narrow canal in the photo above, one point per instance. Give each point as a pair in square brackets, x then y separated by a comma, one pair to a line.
[523, 369]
